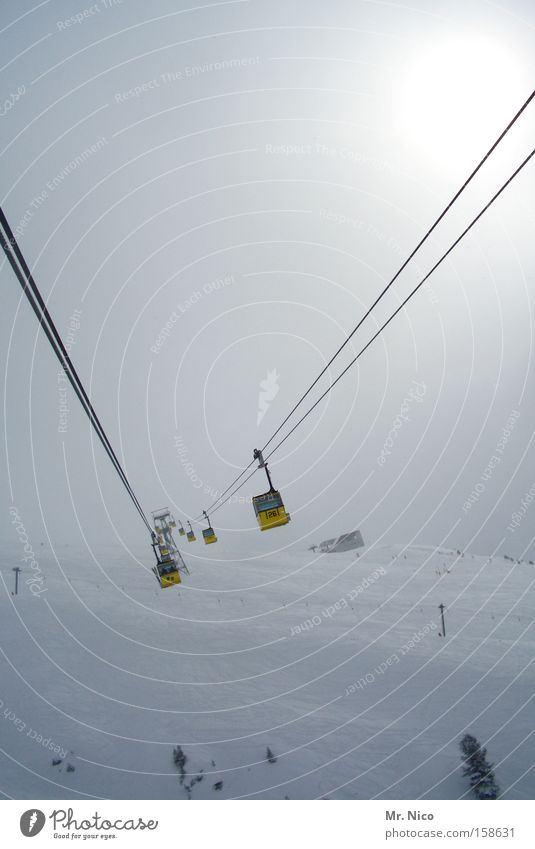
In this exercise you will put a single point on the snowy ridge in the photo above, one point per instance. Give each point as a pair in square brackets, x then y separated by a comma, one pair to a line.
[333, 662]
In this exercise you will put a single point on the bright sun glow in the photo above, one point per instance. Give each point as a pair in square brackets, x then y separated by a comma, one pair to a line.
[457, 95]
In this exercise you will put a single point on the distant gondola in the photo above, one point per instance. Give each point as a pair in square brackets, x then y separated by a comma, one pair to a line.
[190, 535]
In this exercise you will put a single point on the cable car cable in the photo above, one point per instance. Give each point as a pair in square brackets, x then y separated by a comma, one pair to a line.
[25, 278]
[248, 478]
[407, 299]
[210, 509]
[377, 300]
[404, 265]
[387, 322]
[65, 366]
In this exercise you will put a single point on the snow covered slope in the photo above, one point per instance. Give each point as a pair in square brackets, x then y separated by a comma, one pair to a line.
[334, 662]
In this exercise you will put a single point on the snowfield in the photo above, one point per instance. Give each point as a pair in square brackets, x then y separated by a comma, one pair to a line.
[335, 662]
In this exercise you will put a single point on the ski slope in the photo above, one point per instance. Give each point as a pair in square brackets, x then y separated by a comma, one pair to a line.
[335, 662]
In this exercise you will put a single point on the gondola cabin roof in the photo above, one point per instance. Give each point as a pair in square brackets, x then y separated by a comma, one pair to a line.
[270, 511]
[209, 535]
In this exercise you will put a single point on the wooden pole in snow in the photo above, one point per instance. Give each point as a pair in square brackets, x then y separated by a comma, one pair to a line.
[441, 608]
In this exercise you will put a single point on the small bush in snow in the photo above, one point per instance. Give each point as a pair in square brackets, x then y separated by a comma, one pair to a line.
[270, 757]
[477, 769]
[195, 780]
[179, 760]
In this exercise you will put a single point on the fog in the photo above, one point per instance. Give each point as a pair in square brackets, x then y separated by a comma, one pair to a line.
[210, 199]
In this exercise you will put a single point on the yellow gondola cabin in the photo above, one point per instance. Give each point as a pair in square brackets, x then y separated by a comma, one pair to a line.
[208, 533]
[169, 561]
[269, 510]
[167, 573]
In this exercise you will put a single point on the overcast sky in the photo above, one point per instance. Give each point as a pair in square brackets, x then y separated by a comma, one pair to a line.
[210, 198]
